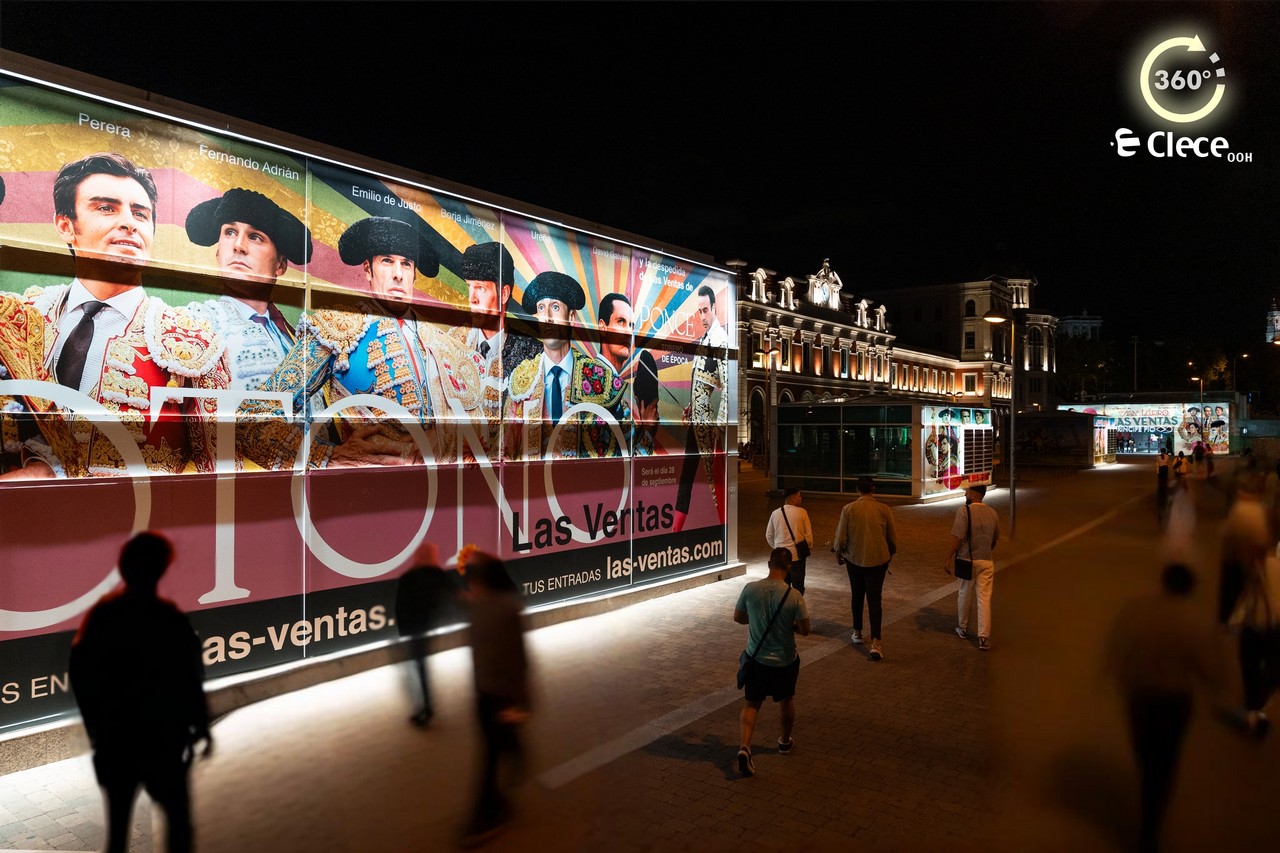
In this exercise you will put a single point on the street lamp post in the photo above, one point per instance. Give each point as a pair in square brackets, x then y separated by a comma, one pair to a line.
[771, 353]
[1203, 419]
[995, 316]
[1235, 384]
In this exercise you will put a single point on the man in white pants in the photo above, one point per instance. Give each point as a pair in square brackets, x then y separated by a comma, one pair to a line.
[974, 535]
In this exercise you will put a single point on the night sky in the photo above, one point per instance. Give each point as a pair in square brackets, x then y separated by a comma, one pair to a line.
[904, 141]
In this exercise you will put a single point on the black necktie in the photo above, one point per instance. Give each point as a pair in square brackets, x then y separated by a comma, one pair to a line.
[557, 395]
[484, 348]
[70, 366]
[261, 319]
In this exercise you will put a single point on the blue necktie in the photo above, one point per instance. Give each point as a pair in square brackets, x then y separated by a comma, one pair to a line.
[557, 394]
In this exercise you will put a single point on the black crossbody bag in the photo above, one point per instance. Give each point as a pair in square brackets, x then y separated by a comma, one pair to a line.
[802, 547]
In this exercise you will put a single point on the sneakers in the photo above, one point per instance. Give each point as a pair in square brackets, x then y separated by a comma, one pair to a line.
[856, 637]
[876, 652]
[746, 766]
[984, 645]
[785, 746]
[962, 633]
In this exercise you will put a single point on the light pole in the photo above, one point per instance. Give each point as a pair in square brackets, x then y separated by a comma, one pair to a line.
[1235, 385]
[1203, 419]
[995, 316]
[771, 353]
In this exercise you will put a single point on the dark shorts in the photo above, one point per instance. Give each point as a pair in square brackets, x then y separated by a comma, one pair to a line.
[778, 682]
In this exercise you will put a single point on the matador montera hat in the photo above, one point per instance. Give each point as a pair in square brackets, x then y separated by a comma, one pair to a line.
[488, 262]
[553, 285]
[292, 238]
[382, 235]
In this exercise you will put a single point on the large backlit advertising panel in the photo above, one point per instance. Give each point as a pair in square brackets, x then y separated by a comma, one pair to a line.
[956, 444]
[299, 371]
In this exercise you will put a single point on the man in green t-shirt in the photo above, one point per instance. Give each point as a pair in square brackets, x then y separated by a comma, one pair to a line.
[772, 643]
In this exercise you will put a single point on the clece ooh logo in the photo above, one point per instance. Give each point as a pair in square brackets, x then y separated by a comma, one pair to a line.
[1182, 95]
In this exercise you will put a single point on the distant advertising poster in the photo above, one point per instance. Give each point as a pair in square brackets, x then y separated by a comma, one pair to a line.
[1182, 425]
[300, 371]
[946, 438]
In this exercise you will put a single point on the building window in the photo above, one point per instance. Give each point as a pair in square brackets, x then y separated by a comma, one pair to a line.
[784, 363]
[915, 377]
[970, 341]
[933, 380]
[806, 356]
[844, 364]
[970, 383]
[970, 308]
[893, 381]
[757, 344]
[1035, 349]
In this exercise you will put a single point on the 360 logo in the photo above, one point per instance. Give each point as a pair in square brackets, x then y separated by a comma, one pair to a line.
[1192, 79]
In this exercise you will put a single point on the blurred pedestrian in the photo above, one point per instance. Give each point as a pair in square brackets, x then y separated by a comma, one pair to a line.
[975, 531]
[1162, 485]
[867, 540]
[1246, 537]
[1159, 651]
[1249, 600]
[501, 669]
[426, 600]
[139, 680]
[1180, 466]
[774, 613]
[1178, 542]
[789, 527]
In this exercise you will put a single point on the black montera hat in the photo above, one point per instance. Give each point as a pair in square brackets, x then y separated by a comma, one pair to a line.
[553, 285]
[382, 235]
[292, 238]
[488, 262]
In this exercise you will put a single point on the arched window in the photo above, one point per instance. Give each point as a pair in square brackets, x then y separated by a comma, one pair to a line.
[970, 308]
[1035, 349]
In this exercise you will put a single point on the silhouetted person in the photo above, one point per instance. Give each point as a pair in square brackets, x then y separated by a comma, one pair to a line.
[502, 688]
[426, 599]
[138, 677]
[1160, 649]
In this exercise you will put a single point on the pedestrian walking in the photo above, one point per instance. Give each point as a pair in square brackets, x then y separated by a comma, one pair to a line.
[1163, 463]
[1159, 651]
[1257, 617]
[1246, 537]
[138, 678]
[789, 527]
[426, 600]
[1249, 600]
[866, 540]
[974, 535]
[1181, 465]
[774, 612]
[501, 668]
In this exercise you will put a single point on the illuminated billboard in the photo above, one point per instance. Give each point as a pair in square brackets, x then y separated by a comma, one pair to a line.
[299, 370]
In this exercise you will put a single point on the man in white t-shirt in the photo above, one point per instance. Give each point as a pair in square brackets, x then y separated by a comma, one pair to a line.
[788, 525]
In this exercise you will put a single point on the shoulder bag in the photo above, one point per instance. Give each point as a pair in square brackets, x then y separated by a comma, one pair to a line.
[964, 568]
[802, 547]
[744, 658]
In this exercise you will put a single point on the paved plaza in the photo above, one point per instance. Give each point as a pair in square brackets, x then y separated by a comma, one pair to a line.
[631, 748]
